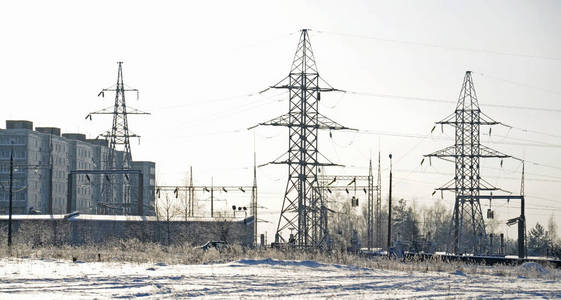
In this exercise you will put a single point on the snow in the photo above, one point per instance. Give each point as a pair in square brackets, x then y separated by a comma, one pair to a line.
[266, 278]
[533, 267]
[459, 273]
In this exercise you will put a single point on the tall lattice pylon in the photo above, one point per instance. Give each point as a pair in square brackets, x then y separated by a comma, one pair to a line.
[118, 137]
[303, 211]
[254, 200]
[370, 208]
[468, 223]
[378, 210]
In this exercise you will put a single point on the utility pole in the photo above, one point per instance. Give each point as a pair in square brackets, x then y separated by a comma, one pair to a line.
[390, 210]
[11, 198]
[522, 220]
[303, 204]
[212, 197]
[186, 202]
[191, 192]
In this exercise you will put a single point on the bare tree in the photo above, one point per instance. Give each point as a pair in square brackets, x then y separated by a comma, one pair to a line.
[167, 210]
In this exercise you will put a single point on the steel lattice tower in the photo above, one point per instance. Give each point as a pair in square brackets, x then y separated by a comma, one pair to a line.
[119, 135]
[303, 209]
[379, 207]
[254, 200]
[468, 224]
[370, 209]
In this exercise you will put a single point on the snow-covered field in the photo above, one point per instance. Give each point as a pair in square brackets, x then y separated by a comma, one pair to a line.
[52, 279]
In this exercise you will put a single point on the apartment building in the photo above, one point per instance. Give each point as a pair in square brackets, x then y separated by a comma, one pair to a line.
[43, 159]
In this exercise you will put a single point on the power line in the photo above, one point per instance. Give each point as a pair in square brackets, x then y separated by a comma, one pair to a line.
[254, 104]
[518, 83]
[493, 177]
[420, 136]
[429, 45]
[435, 100]
[531, 131]
[220, 99]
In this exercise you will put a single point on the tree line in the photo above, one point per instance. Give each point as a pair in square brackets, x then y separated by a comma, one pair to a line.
[428, 228]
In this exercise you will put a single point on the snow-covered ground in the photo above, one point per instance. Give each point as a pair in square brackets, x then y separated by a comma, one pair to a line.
[52, 279]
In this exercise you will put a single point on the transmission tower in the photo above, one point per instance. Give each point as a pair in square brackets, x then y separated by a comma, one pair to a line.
[254, 200]
[119, 135]
[379, 207]
[303, 209]
[370, 210]
[468, 224]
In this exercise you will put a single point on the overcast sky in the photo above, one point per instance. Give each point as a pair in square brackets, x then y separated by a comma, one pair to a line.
[196, 62]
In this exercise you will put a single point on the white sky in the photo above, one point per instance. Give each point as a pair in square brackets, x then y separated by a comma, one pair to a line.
[193, 61]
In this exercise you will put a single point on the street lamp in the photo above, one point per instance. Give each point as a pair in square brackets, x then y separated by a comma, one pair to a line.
[390, 209]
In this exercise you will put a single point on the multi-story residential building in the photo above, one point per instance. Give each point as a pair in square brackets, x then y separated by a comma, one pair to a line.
[56, 157]
[148, 169]
[43, 159]
[24, 144]
[81, 158]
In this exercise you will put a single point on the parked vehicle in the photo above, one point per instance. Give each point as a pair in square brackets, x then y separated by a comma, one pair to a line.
[218, 245]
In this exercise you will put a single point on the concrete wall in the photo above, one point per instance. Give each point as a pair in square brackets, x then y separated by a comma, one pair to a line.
[87, 229]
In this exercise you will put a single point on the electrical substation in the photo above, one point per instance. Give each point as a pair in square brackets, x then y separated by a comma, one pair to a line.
[118, 186]
[304, 218]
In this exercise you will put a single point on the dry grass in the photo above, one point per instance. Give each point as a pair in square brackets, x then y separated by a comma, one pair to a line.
[141, 252]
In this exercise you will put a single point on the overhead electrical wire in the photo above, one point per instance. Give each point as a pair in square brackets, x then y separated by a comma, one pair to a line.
[531, 143]
[493, 177]
[445, 47]
[239, 109]
[435, 100]
[525, 85]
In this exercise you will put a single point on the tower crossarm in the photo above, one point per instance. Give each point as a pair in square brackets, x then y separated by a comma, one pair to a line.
[326, 123]
[283, 160]
[449, 152]
[446, 154]
[323, 122]
[448, 186]
[453, 121]
[110, 111]
[487, 152]
[312, 164]
[487, 186]
[108, 135]
[116, 88]
[283, 85]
